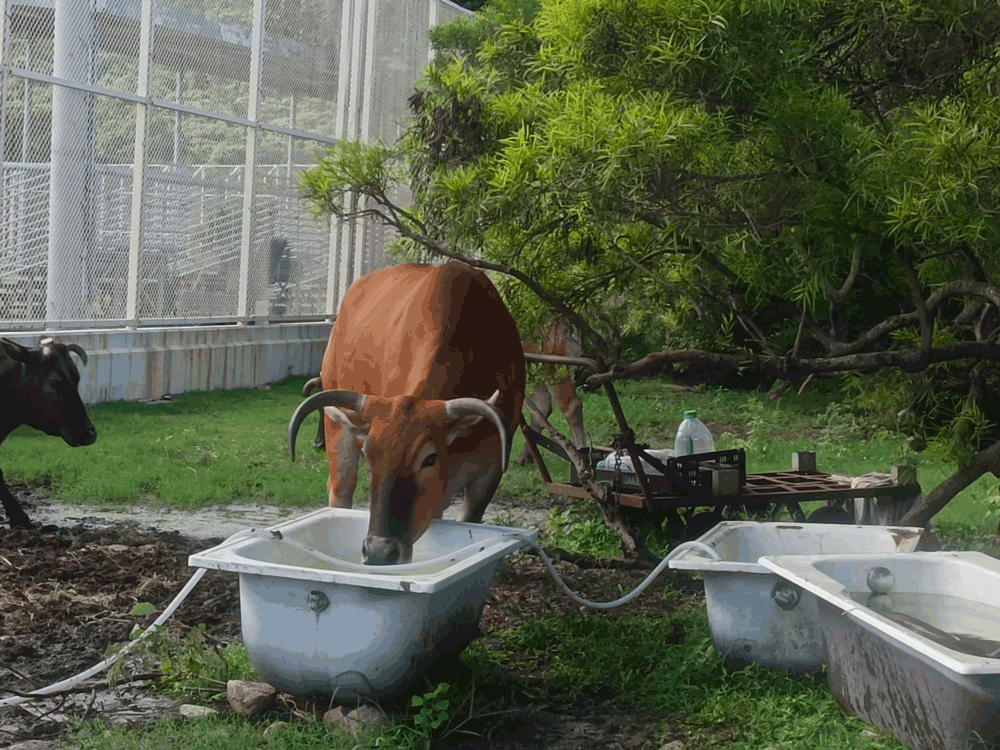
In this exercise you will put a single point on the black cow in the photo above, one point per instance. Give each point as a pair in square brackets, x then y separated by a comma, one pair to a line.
[40, 387]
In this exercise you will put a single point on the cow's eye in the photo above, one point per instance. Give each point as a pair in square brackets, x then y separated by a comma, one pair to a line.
[429, 461]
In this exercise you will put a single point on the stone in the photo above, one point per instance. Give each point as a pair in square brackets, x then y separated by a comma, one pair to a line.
[275, 729]
[249, 698]
[191, 711]
[335, 720]
[674, 745]
[34, 745]
[369, 720]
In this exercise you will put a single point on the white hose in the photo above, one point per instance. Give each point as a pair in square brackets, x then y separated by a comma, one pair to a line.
[74, 681]
[700, 546]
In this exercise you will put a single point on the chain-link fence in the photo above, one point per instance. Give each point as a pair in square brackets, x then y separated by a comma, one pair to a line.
[150, 153]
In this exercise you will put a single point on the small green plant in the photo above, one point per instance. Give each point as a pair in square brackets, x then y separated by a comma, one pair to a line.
[190, 661]
[433, 713]
[582, 529]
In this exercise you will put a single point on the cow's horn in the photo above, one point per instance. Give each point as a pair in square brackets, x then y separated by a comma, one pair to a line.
[349, 399]
[79, 352]
[311, 385]
[458, 407]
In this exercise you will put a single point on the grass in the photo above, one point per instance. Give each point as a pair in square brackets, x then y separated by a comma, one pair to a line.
[228, 732]
[200, 449]
[229, 446]
[634, 662]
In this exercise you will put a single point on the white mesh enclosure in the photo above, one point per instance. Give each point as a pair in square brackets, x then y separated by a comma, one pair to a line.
[151, 148]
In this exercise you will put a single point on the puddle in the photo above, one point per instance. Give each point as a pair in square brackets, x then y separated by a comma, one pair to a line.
[951, 621]
[222, 520]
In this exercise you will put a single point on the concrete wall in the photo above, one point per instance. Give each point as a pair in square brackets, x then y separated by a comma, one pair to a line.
[125, 365]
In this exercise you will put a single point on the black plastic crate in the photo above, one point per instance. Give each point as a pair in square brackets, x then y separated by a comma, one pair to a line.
[683, 468]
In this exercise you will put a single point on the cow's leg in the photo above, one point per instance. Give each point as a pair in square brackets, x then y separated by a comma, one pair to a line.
[481, 488]
[572, 408]
[342, 454]
[311, 385]
[16, 516]
[320, 442]
[543, 402]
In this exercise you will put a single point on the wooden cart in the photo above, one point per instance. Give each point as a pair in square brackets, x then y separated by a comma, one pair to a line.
[715, 481]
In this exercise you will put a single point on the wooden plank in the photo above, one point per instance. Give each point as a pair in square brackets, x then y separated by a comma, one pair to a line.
[773, 487]
[572, 490]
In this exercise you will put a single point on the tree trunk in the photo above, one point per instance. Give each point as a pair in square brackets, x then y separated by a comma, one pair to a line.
[633, 546]
[987, 460]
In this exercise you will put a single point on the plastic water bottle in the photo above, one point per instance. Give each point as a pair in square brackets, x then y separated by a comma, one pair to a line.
[693, 436]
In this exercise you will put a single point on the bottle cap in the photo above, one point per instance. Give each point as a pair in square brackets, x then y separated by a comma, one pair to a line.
[691, 414]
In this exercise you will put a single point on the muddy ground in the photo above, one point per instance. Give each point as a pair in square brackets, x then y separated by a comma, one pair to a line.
[67, 590]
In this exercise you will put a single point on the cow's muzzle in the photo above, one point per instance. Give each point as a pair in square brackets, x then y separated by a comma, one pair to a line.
[87, 437]
[380, 550]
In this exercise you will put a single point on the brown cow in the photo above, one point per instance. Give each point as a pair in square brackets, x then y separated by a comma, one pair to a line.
[413, 355]
[557, 338]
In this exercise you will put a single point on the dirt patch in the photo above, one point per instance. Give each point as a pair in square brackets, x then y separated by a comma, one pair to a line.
[68, 590]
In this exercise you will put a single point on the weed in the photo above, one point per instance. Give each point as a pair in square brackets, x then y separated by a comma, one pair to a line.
[840, 426]
[579, 528]
[433, 712]
[190, 662]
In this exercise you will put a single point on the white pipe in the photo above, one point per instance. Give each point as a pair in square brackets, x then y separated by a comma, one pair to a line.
[240, 535]
[634, 592]
[74, 681]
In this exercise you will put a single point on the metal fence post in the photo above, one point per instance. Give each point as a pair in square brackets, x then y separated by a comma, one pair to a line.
[243, 312]
[71, 221]
[139, 162]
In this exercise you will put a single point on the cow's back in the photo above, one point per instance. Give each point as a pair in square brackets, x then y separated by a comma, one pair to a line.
[428, 331]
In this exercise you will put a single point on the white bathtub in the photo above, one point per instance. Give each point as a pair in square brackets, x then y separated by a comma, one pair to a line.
[753, 615]
[908, 675]
[317, 622]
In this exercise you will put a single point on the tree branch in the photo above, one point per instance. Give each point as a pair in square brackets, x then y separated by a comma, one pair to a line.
[632, 542]
[786, 368]
[926, 328]
[837, 296]
[987, 460]
[985, 290]
[436, 247]
[669, 286]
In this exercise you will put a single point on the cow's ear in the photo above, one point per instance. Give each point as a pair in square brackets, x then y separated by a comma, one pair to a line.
[461, 427]
[14, 350]
[350, 420]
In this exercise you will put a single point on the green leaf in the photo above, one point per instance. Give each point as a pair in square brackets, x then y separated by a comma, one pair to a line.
[142, 609]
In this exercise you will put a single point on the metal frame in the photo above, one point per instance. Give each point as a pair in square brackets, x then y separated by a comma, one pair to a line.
[770, 490]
